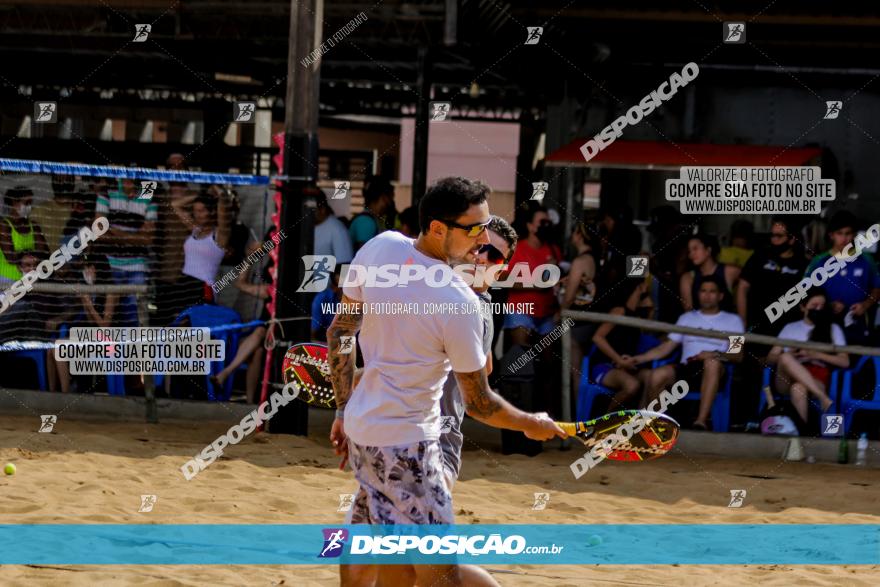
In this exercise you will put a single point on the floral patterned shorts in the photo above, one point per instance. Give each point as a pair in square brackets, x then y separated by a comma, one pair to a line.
[403, 484]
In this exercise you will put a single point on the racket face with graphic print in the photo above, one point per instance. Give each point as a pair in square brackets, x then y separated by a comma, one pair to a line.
[306, 365]
[657, 436]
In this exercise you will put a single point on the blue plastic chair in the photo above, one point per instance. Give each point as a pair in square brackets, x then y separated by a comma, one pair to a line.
[213, 316]
[38, 356]
[848, 405]
[589, 391]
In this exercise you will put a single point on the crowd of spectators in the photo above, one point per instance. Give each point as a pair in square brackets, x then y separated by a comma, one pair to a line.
[183, 238]
[693, 281]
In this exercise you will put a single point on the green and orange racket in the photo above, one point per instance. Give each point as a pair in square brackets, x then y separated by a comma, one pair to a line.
[656, 438]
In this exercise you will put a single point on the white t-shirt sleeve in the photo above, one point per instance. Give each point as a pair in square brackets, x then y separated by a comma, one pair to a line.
[463, 341]
[837, 335]
[791, 332]
[682, 321]
[736, 323]
[352, 280]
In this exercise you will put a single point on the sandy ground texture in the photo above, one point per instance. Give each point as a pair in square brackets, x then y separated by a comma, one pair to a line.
[95, 472]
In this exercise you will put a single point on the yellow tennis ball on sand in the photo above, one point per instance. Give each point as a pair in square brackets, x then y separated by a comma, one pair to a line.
[9, 469]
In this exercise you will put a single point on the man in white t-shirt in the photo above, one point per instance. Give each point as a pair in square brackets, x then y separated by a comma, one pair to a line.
[701, 358]
[331, 235]
[389, 426]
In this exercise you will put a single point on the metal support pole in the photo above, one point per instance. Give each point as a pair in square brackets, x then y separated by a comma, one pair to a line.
[297, 201]
[566, 379]
[149, 385]
[420, 131]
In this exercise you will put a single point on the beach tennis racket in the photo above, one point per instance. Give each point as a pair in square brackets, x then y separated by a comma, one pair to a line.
[306, 365]
[655, 439]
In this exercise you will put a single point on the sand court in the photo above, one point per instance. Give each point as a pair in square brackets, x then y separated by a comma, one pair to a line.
[95, 472]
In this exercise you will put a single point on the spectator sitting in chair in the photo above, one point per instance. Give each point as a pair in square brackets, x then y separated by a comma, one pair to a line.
[802, 372]
[701, 358]
[21, 320]
[855, 289]
[614, 364]
[93, 310]
[251, 347]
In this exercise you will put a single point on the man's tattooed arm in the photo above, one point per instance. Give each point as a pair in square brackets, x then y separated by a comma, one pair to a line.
[346, 323]
[487, 406]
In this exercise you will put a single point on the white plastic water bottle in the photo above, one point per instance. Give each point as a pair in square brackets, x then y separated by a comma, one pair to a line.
[861, 449]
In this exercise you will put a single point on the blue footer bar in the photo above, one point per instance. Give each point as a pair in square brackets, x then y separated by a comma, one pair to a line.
[617, 544]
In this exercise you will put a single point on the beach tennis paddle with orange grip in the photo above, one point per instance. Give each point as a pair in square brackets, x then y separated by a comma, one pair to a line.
[657, 437]
[306, 365]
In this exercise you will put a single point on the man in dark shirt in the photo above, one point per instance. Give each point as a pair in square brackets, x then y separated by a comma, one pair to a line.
[769, 273]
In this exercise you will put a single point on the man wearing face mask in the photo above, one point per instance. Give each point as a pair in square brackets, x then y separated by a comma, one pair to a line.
[18, 233]
[772, 270]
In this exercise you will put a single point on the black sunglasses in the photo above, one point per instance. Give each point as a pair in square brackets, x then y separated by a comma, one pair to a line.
[472, 230]
[492, 253]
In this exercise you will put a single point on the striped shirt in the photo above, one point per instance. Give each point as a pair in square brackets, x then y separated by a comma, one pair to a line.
[128, 215]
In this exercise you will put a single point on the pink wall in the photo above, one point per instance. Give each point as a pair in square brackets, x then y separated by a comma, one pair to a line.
[477, 150]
